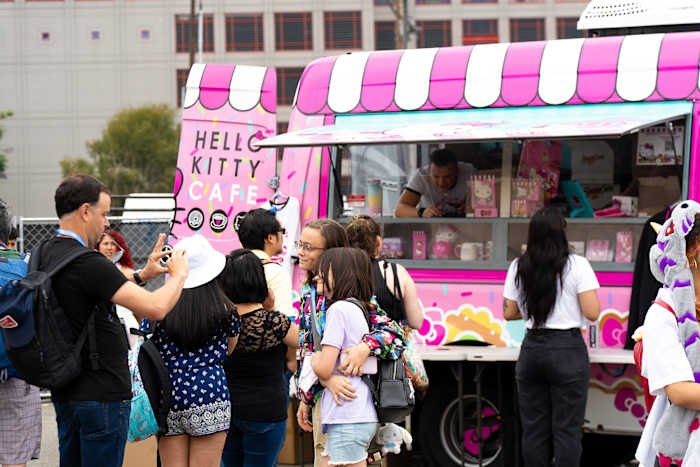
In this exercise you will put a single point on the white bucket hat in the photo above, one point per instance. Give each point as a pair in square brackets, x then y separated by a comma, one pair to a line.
[204, 261]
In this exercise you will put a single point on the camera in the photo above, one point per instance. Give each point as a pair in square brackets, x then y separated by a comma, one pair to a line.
[165, 258]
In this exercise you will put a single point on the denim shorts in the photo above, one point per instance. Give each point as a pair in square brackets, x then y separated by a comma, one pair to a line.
[348, 442]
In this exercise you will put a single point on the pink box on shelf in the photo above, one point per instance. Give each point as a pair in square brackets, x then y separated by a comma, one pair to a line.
[419, 244]
[598, 250]
[623, 251]
[484, 196]
[392, 247]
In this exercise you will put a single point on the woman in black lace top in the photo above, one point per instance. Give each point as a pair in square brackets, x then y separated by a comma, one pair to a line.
[254, 371]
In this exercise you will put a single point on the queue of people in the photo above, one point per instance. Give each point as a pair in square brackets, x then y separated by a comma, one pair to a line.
[224, 328]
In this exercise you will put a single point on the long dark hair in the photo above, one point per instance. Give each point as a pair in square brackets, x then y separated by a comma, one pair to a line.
[243, 277]
[200, 313]
[352, 274]
[542, 265]
[333, 235]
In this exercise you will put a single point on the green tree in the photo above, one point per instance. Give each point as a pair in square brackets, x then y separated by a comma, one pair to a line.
[3, 157]
[137, 151]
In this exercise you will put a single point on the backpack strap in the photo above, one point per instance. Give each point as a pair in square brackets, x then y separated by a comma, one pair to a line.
[88, 333]
[163, 377]
[359, 305]
[69, 258]
[665, 306]
[373, 389]
[92, 341]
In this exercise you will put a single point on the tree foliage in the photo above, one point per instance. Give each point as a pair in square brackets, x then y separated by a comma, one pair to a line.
[137, 151]
[3, 157]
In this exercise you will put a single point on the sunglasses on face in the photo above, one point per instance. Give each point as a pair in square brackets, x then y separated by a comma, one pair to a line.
[307, 247]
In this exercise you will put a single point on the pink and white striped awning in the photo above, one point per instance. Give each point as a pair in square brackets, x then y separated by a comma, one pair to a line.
[635, 68]
[242, 87]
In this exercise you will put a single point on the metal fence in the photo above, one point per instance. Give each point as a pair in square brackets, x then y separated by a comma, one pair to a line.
[140, 235]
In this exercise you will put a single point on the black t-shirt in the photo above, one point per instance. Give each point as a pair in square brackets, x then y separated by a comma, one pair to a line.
[88, 281]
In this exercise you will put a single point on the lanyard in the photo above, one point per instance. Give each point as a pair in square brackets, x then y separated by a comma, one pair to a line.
[314, 315]
[68, 233]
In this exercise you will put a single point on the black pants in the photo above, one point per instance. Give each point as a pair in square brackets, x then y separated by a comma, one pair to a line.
[552, 375]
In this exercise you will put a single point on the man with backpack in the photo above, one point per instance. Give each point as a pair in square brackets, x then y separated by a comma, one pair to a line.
[20, 403]
[92, 410]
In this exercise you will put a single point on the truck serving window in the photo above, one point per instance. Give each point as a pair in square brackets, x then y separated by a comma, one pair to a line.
[607, 186]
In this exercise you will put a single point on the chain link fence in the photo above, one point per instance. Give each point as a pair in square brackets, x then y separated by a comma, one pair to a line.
[140, 235]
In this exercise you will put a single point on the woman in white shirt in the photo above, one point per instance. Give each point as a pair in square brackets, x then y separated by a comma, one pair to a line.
[552, 290]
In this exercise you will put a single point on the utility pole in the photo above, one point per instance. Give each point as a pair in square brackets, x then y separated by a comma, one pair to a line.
[190, 37]
[400, 13]
[200, 33]
[404, 28]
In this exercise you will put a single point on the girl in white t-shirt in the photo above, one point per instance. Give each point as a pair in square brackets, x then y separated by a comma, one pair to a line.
[553, 290]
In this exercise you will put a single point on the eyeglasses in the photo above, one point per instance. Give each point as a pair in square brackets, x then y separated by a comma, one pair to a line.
[308, 247]
[282, 231]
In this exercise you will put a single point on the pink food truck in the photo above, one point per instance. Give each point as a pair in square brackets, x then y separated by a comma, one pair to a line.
[607, 126]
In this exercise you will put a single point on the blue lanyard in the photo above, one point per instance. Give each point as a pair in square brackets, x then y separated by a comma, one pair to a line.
[314, 316]
[68, 233]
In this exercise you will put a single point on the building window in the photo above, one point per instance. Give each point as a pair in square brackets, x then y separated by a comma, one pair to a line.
[181, 83]
[343, 29]
[384, 35]
[434, 33]
[287, 79]
[183, 24]
[432, 2]
[526, 29]
[566, 28]
[244, 33]
[293, 31]
[479, 31]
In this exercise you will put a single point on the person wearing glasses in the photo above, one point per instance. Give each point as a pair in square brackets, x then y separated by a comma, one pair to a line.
[261, 232]
[385, 340]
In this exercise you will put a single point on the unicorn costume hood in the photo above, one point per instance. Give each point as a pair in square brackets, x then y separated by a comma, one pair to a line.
[677, 436]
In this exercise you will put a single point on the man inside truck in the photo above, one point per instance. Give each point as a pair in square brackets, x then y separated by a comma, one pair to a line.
[438, 190]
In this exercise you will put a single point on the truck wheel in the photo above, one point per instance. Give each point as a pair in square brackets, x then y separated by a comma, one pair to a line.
[439, 431]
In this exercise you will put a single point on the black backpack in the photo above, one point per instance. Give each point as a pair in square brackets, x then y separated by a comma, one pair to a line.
[41, 345]
[154, 376]
[392, 391]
